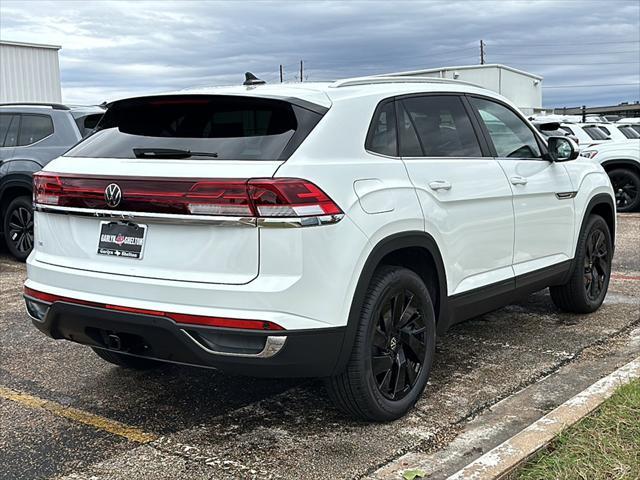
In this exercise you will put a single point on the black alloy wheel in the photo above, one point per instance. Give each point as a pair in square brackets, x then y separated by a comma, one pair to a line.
[626, 187]
[596, 264]
[18, 227]
[393, 349]
[588, 281]
[399, 344]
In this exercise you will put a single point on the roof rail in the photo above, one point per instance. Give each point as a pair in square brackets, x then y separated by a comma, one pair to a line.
[55, 106]
[373, 80]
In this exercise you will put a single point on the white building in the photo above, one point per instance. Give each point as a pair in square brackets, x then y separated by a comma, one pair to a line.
[29, 72]
[522, 88]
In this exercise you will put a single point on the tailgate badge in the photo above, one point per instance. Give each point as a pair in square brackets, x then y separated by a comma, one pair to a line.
[113, 195]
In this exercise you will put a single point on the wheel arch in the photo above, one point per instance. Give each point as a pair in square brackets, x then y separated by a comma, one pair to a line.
[600, 204]
[13, 186]
[415, 250]
[612, 164]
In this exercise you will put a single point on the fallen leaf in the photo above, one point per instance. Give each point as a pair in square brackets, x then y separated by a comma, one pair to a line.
[413, 474]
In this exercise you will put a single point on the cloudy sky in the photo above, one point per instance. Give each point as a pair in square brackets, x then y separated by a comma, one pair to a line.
[587, 51]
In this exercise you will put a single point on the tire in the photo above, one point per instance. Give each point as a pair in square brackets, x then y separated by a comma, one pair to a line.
[384, 344]
[126, 361]
[626, 186]
[18, 227]
[589, 281]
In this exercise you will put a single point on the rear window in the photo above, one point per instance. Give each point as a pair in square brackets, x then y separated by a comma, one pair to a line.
[595, 133]
[223, 127]
[88, 123]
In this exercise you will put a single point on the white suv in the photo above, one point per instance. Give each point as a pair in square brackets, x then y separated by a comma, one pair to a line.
[328, 229]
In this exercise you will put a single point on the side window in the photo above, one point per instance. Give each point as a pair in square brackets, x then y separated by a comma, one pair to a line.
[34, 128]
[595, 133]
[442, 126]
[511, 136]
[568, 130]
[604, 129]
[11, 138]
[382, 132]
[5, 121]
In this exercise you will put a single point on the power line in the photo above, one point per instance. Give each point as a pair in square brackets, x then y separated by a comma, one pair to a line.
[593, 85]
[576, 64]
[557, 43]
[512, 54]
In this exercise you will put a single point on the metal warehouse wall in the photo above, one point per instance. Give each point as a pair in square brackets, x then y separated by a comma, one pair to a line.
[29, 73]
[522, 88]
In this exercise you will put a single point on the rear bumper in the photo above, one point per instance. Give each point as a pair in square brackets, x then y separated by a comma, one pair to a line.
[285, 353]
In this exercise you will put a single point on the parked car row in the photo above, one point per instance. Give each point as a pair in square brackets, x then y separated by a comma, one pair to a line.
[615, 145]
[31, 135]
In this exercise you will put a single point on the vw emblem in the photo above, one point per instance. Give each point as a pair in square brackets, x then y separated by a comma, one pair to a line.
[113, 195]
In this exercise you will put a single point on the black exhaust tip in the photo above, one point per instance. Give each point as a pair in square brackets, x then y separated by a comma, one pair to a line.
[114, 342]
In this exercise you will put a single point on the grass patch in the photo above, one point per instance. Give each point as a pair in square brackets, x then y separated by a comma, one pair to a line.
[605, 445]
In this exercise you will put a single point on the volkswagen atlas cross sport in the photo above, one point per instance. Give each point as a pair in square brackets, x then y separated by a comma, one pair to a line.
[328, 230]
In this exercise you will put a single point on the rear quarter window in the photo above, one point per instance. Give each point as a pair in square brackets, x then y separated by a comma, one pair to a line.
[34, 128]
[382, 136]
[224, 127]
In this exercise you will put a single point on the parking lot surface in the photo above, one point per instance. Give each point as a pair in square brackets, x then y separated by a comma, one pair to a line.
[65, 413]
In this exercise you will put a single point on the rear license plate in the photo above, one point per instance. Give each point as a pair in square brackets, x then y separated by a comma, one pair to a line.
[119, 239]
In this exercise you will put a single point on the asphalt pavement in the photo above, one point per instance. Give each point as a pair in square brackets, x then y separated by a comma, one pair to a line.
[65, 413]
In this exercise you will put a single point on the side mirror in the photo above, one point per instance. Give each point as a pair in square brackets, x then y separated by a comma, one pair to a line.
[561, 149]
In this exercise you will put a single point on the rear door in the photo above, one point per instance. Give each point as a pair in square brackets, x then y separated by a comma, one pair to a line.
[542, 190]
[465, 197]
[176, 168]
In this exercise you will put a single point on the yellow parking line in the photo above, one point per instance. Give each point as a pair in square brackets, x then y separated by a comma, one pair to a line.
[101, 423]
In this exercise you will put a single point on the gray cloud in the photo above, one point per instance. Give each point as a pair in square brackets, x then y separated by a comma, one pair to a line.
[115, 48]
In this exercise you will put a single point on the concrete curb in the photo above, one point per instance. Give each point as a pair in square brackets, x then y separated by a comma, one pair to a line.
[505, 457]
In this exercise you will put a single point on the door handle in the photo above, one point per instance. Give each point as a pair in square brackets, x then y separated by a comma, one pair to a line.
[440, 185]
[518, 180]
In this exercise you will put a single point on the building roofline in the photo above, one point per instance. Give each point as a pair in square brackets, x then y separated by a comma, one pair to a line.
[31, 45]
[465, 67]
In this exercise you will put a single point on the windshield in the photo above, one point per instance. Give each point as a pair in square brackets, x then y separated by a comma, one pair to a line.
[226, 127]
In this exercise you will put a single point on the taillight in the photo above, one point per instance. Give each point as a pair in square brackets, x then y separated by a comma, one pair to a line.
[256, 197]
[289, 197]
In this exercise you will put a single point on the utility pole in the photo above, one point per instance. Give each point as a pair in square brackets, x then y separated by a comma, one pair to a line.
[481, 52]
[281, 79]
[584, 113]
[301, 69]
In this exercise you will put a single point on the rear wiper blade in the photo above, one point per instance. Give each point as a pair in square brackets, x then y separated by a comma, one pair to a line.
[170, 153]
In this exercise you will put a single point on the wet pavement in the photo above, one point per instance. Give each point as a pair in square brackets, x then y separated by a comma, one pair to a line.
[216, 426]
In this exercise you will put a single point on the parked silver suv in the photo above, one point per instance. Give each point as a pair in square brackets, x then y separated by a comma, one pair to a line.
[31, 135]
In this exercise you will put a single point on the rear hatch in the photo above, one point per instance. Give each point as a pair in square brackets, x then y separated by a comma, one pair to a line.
[161, 189]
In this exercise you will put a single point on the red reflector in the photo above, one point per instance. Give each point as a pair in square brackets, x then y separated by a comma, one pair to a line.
[221, 322]
[258, 197]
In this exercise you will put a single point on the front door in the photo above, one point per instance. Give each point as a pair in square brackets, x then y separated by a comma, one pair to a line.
[542, 190]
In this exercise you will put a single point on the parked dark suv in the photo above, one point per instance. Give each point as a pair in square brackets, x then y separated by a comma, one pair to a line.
[31, 135]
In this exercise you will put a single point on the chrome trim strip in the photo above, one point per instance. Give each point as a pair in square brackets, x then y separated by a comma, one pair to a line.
[297, 222]
[150, 217]
[272, 346]
[565, 195]
[272, 222]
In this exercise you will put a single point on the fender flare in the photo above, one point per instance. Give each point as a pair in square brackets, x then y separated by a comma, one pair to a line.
[384, 247]
[598, 199]
[15, 180]
[626, 162]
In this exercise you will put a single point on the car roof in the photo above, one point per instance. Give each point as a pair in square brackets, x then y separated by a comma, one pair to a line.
[326, 93]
